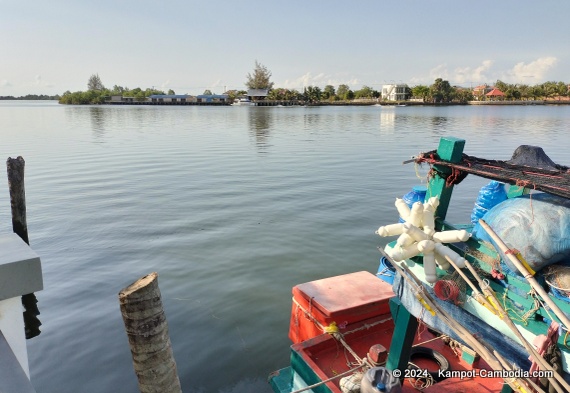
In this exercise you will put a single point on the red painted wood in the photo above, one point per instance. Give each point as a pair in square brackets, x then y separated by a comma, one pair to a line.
[326, 357]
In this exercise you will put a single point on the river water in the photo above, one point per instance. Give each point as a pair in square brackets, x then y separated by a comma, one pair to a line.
[232, 206]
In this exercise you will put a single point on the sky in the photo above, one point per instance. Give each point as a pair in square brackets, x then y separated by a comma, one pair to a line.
[49, 47]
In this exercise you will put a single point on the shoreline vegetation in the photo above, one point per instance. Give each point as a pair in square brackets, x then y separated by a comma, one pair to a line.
[31, 97]
[261, 92]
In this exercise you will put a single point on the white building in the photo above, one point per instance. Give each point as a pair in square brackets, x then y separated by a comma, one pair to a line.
[396, 92]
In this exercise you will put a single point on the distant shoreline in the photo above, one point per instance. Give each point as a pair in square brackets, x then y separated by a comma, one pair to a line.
[320, 103]
[356, 103]
[31, 97]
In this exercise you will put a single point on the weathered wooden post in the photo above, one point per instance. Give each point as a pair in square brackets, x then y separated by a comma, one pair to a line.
[15, 167]
[147, 330]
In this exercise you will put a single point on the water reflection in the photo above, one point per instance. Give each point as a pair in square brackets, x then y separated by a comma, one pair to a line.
[439, 122]
[260, 122]
[387, 120]
[97, 116]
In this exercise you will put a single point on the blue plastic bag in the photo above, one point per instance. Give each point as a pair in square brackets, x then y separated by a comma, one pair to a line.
[489, 196]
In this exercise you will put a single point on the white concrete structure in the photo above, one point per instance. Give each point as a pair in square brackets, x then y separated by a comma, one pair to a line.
[20, 274]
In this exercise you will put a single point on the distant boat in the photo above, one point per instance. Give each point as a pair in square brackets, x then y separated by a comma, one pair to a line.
[243, 101]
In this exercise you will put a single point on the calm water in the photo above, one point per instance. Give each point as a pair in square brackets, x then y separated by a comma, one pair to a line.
[232, 207]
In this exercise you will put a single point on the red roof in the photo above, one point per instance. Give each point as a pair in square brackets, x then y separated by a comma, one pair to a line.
[495, 92]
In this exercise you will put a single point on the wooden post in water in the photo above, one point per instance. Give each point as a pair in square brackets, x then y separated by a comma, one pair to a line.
[15, 168]
[147, 330]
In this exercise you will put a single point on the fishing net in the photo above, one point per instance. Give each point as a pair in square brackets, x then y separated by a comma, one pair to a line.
[558, 278]
[536, 225]
[529, 167]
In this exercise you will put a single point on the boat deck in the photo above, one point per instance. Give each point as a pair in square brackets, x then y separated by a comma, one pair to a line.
[321, 358]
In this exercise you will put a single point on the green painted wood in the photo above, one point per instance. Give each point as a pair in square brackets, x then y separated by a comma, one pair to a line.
[281, 381]
[450, 149]
[515, 191]
[299, 366]
[506, 389]
[403, 337]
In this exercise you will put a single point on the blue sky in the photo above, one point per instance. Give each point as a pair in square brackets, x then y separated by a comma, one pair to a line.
[48, 47]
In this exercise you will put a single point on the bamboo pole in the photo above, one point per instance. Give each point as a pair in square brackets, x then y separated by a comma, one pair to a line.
[15, 168]
[524, 271]
[508, 367]
[147, 330]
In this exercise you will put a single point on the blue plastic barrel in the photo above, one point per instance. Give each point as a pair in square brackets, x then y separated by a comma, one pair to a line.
[489, 196]
[386, 271]
[417, 194]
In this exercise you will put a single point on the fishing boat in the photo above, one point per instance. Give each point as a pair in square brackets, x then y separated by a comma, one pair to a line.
[453, 307]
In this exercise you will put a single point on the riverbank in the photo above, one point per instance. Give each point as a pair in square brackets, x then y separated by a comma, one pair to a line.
[272, 103]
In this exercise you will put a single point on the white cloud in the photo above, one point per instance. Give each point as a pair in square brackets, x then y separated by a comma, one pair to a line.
[320, 80]
[533, 72]
[5, 83]
[472, 75]
[38, 79]
[164, 85]
[439, 71]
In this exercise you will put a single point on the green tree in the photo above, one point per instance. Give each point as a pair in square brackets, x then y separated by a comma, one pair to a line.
[118, 90]
[463, 95]
[207, 92]
[537, 92]
[441, 91]
[562, 89]
[171, 92]
[234, 94]
[94, 83]
[502, 86]
[525, 91]
[283, 94]
[344, 93]
[420, 91]
[260, 79]
[312, 94]
[328, 92]
[366, 92]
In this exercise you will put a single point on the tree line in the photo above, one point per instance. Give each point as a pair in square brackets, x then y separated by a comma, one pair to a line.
[97, 93]
[32, 97]
[441, 91]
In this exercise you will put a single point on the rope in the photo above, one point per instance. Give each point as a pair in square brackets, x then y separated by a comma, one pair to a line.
[326, 329]
[330, 379]
[367, 326]
[418, 382]
[333, 330]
